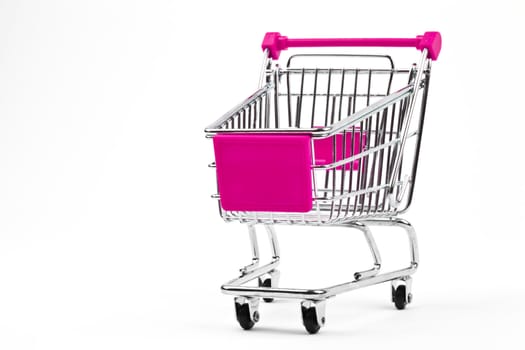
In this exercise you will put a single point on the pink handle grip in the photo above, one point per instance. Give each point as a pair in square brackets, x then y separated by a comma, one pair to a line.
[275, 43]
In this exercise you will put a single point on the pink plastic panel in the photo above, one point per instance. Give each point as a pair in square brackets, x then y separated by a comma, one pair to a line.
[257, 172]
[323, 149]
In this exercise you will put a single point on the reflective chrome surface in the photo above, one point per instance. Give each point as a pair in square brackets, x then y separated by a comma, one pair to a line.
[362, 279]
[359, 191]
[356, 103]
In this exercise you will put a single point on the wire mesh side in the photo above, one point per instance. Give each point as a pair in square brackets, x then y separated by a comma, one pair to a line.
[253, 114]
[357, 184]
[352, 184]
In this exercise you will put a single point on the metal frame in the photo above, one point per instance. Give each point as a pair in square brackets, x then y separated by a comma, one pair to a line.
[398, 182]
[346, 202]
[361, 279]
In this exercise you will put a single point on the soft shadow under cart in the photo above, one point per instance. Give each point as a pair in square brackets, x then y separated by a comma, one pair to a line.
[326, 140]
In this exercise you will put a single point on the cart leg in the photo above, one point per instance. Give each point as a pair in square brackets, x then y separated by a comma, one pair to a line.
[274, 247]
[402, 287]
[314, 300]
[412, 239]
[401, 274]
[274, 244]
[373, 249]
[271, 279]
[409, 229]
[255, 251]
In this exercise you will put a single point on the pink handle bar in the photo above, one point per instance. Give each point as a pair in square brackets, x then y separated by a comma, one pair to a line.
[275, 43]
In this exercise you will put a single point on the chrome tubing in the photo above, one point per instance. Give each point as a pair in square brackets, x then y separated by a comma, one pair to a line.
[361, 279]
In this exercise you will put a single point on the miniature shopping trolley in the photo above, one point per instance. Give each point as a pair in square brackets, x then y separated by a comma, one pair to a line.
[323, 144]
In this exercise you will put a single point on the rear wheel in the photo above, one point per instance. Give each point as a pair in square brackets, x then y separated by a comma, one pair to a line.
[400, 297]
[267, 282]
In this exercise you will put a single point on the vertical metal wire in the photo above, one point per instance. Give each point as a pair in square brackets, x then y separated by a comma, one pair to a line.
[349, 109]
[314, 179]
[261, 108]
[390, 81]
[390, 136]
[374, 162]
[369, 86]
[332, 115]
[351, 171]
[267, 110]
[359, 170]
[401, 123]
[341, 94]
[396, 148]
[289, 99]
[343, 168]
[343, 173]
[249, 118]
[390, 151]
[314, 97]
[333, 170]
[276, 98]
[355, 89]
[253, 122]
[382, 135]
[328, 97]
[364, 164]
[368, 122]
[256, 108]
[299, 103]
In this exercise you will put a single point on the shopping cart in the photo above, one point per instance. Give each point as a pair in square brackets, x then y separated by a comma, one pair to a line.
[323, 145]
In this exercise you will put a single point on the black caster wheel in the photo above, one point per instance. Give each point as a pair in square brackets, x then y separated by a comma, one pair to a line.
[267, 282]
[270, 280]
[245, 318]
[400, 297]
[310, 319]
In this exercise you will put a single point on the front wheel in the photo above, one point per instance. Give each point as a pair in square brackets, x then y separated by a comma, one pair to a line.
[313, 315]
[247, 315]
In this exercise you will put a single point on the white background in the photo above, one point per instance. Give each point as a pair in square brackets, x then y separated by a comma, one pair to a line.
[108, 236]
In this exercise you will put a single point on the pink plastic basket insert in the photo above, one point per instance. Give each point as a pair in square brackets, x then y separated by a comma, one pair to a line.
[324, 149]
[258, 172]
[273, 173]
